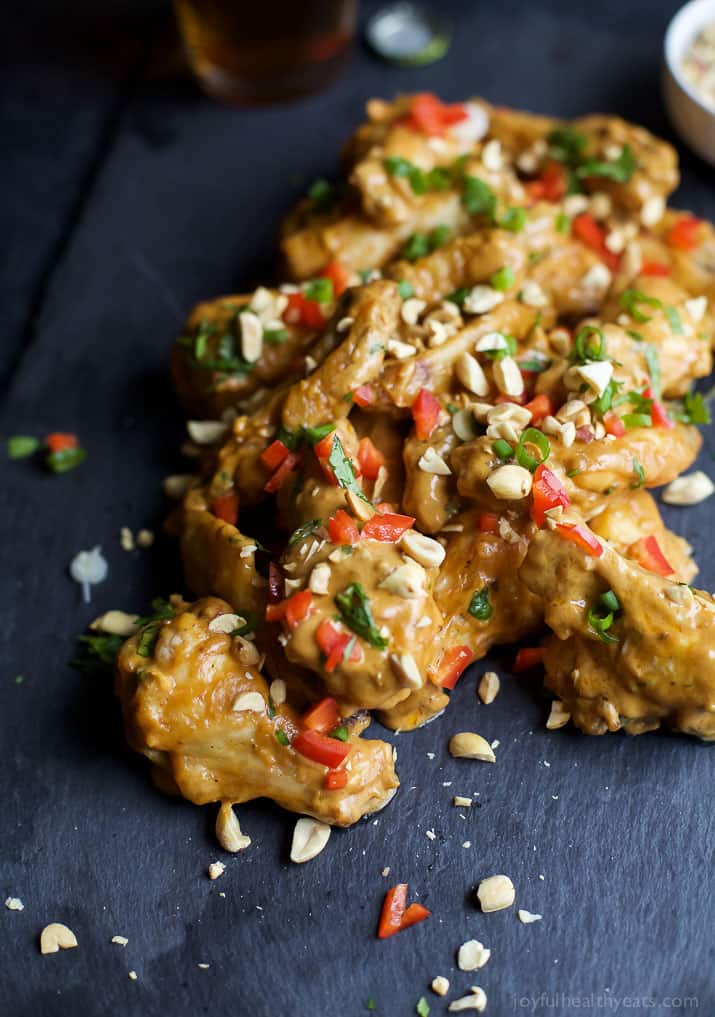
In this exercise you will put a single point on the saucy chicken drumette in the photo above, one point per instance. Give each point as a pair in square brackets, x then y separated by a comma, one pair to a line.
[444, 436]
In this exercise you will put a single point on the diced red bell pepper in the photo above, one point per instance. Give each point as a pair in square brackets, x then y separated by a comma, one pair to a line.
[294, 610]
[658, 414]
[328, 752]
[393, 910]
[225, 506]
[282, 473]
[657, 269]
[387, 526]
[588, 231]
[58, 441]
[488, 522]
[324, 447]
[274, 455]
[335, 780]
[363, 395]
[455, 661]
[333, 642]
[370, 459]
[550, 185]
[613, 424]
[431, 116]
[414, 914]
[527, 657]
[547, 492]
[338, 276]
[539, 407]
[323, 716]
[426, 410]
[342, 528]
[648, 554]
[304, 312]
[580, 535]
[684, 234]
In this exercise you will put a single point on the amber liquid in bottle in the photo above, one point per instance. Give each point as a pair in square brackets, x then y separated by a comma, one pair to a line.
[265, 50]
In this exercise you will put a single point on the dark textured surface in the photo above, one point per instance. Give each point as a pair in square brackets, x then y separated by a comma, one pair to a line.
[131, 197]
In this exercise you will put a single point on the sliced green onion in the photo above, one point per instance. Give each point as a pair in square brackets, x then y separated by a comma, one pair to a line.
[458, 296]
[532, 436]
[563, 223]
[341, 733]
[637, 420]
[502, 279]
[478, 198]
[610, 601]
[631, 298]
[320, 290]
[514, 219]
[584, 348]
[479, 606]
[405, 289]
[674, 319]
[503, 449]
[21, 446]
[640, 474]
[282, 737]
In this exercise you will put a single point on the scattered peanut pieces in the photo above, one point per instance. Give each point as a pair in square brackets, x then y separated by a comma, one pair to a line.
[440, 985]
[14, 904]
[461, 802]
[558, 717]
[495, 893]
[56, 936]
[126, 539]
[133, 976]
[120, 940]
[309, 839]
[489, 687]
[228, 830]
[527, 917]
[145, 538]
[477, 1000]
[472, 955]
[468, 745]
[216, 869]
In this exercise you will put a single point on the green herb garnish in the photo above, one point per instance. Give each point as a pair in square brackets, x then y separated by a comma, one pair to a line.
[651, 356]
[602, 615]
[354, 607]
[478, 198]
[323, 194]
[422, 1007]
[563, 223]
[479, 606]
[514, 219]
[319, 290]
[502, 279]
[66, 459]
[640, 474]
[458, 296]
[97, 653]
[620, 170]
[502, 448]
[585, 349]
[21, 446]
[282, 737]
[304, 531]
[535, 438]
[695, 409]
[405, 289]
[341, 733]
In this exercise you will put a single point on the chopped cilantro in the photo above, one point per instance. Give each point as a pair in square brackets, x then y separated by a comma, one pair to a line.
[438, 237]
[458, 296]
[422, 1007]
[695, 409]
[566, 145]
[97, 653]
[354, 607]
[417, 246]
[640, 474]
[21, 446]
[479, 606]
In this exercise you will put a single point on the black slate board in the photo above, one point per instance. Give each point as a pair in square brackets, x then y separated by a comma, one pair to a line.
[151, 198]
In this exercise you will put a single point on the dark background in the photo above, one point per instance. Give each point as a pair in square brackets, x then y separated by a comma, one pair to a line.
[127, 196]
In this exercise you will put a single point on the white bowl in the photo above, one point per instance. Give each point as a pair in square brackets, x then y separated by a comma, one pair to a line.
[693, 118]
